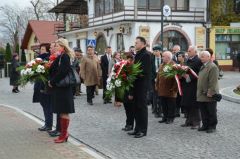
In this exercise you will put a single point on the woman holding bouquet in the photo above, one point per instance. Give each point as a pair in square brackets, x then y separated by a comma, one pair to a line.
[116, 58]
[41, 96]
[62, 97]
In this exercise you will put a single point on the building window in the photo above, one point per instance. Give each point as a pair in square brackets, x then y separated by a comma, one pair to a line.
[171, 38]
[227, 46]
[103, 7]
[237, 6]
[120, 42]
[78, 43]
[156, 4]
[177, 4]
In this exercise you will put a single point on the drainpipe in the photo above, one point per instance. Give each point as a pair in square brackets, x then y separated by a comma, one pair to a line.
[135, 9]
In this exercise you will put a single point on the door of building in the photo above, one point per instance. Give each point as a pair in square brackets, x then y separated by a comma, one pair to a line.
[101, 45]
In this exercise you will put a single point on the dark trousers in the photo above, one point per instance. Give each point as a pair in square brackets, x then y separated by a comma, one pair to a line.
[179, 106]
[193, 114]
[168, 107]
[58, 125]
[141, 115]
[104, 80]
[209, 114]
[47, 110]
[156, 103]
[129, 113]
[90, 92]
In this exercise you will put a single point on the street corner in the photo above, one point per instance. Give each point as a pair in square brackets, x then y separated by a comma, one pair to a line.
[229, 95]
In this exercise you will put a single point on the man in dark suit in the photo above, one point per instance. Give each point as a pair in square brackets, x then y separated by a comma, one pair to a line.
[140, 87]
[156, 61]
[105, 59]
[189, 87]
[175, 50]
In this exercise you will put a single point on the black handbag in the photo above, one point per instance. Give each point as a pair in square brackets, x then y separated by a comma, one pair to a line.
[71, 79]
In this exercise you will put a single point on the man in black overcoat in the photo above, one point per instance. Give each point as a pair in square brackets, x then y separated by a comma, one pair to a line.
[141, 85]
[189, 87]
[156, 61]
[105, 59]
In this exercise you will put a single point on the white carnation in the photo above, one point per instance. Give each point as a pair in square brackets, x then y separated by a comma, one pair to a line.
[166, 69]
[40, 69]
[118, 83]
[22, 72]
[109, 86]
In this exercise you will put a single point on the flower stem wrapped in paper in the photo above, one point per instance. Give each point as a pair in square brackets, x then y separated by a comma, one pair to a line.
[121, 79]
[177, 71]
[35, 70]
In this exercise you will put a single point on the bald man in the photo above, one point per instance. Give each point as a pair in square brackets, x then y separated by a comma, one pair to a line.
[207, 87]
[167, 91]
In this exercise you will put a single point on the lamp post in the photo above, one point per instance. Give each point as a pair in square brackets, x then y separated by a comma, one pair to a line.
[208, 26]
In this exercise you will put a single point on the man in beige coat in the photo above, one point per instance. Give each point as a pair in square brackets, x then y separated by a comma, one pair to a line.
[90, 73]
[207, 86]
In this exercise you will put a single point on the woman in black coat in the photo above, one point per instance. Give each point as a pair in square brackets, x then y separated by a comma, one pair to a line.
[62, 97]
[14, 74]
[41, 96]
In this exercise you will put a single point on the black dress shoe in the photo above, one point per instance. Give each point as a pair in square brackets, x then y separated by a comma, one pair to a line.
[185, 125]
[140, 134]
[169, 121]
[163, 121]
[195, 127]
[177, 115]
[90, 102]
[14, 91]
[133, 133]
[157, 115]
[44, 128]
[127, 128]
[203, 128]
[211, 130]
[54, 133]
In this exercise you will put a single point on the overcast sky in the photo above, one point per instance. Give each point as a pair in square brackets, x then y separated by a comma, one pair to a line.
[20, 3]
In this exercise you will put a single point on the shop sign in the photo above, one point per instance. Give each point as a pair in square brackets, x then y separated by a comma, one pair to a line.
[227, 30]
[200, 37]
[144, 31]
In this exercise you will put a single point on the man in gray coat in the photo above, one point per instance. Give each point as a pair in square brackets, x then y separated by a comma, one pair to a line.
[207, 86]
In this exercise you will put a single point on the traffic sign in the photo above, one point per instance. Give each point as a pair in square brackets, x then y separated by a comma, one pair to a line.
[166, 10]
[91, 42]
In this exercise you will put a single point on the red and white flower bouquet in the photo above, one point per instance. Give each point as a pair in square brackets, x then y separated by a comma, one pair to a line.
[121, 79]
[35, 70]
[177, 71]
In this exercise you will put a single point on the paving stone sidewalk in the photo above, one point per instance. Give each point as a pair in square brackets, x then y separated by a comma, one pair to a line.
[21, 140]
[100, 127]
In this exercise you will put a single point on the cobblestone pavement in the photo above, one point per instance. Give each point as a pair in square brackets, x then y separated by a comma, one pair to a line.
[20, 140]
[100, 127]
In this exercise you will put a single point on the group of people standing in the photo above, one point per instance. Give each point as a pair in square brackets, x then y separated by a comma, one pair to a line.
[196, 102]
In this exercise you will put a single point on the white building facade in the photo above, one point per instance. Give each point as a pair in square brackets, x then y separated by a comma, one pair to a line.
[117, 23]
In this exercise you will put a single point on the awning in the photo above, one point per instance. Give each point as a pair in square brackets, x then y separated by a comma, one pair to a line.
[71, 7]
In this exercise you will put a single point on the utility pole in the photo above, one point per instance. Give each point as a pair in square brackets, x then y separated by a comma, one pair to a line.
[162, 26]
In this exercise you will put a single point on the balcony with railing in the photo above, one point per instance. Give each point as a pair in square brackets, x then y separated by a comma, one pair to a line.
[71, 26]
[128, 14]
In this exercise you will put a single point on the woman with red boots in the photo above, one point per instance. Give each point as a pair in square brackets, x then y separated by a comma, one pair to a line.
[62, 97]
